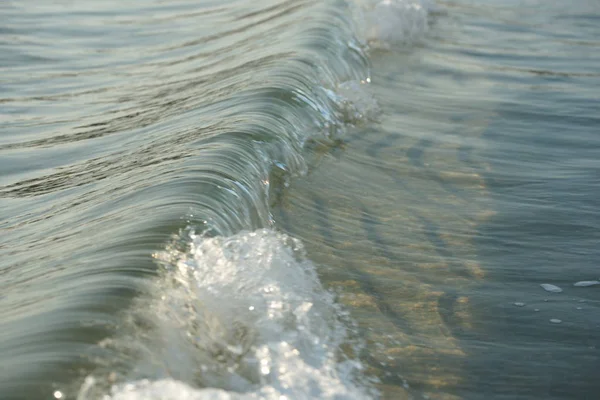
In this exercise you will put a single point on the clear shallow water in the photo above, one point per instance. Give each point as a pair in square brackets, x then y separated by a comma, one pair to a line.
[430, 200]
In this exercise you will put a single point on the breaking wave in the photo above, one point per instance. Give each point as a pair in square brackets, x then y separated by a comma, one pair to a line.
[238, 311]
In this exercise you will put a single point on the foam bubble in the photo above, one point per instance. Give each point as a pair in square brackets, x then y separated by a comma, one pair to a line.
[551, 288]
[242, 317]
[586, 283]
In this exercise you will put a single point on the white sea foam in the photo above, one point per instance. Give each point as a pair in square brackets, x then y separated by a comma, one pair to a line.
[243, 317]
[355, 102]
[391, 23]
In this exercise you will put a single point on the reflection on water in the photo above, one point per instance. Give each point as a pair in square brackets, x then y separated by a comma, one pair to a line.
[438, 162]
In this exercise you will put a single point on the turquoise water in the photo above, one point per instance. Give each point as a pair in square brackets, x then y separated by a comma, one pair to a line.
[299, 199]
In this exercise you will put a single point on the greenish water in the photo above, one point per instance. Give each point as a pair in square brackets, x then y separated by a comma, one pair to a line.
[297, 199]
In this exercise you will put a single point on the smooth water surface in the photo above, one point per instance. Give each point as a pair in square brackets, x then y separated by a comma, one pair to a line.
[299, 199]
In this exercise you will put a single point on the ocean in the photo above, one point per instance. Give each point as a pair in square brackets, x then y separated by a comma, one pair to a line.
[299, 199]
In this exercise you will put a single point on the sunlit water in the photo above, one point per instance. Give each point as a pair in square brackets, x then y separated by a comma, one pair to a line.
[299, 199]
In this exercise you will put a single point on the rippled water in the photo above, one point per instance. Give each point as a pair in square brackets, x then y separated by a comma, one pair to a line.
[299, 199]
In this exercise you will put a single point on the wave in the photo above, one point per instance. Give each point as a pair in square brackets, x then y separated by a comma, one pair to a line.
[237, 311]
[243, 315]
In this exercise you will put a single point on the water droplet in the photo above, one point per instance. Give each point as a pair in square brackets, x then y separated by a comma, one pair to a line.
[58, 394]
[519, 304]
[555, 321]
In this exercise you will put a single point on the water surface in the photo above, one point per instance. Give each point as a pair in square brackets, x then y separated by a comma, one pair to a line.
[299, 199]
